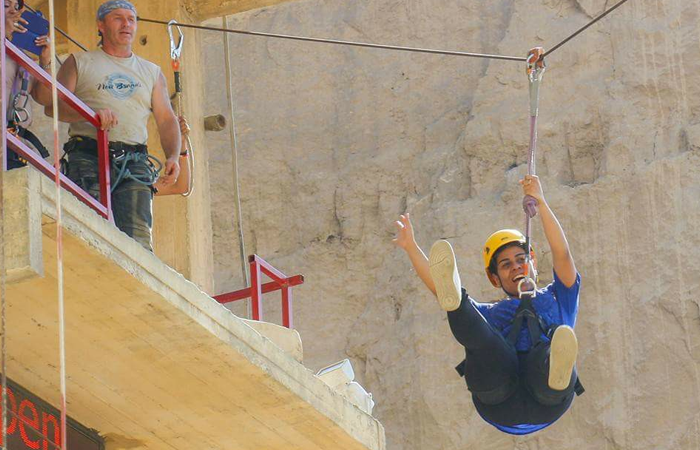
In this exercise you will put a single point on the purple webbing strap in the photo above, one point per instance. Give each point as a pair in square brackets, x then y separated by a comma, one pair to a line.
[529, 203]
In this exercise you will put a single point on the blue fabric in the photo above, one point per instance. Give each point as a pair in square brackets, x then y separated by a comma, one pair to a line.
[556, 304]
[111, 5]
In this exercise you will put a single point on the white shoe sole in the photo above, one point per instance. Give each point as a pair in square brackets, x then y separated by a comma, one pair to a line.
[562, 357]
[443, 270]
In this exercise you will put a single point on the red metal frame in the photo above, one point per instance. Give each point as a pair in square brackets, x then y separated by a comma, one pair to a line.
[104, 206]
[280, 281]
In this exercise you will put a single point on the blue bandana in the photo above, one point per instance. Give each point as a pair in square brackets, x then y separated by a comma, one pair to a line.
[111, 5]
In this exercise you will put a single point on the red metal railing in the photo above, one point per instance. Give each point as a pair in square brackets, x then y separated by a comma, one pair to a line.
[280, 281]
[103, 207]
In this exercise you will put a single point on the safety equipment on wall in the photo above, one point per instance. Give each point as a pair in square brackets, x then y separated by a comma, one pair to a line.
[17, 115]
[175, 54]
[500, 239]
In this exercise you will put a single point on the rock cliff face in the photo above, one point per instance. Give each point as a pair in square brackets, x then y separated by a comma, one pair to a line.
[335, 142]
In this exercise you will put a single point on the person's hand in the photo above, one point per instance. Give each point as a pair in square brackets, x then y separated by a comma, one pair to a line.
[171, 171]
[108, 119]
[14, 23]
[45, 57]
[532, 187]
[405, 237]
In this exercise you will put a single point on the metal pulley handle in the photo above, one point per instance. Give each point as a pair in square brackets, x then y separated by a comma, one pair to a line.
[535, 71]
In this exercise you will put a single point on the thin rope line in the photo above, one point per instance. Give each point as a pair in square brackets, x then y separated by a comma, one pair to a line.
[59, 228]
[3, 164]
[580, 30]
[339, 42]
[234, 161]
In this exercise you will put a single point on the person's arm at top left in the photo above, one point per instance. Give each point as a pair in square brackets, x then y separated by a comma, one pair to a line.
[562, 259]
[168, 129]
[40, 93]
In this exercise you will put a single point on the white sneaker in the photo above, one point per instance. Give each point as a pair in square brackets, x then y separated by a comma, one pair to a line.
[562, 357]
[443, 269]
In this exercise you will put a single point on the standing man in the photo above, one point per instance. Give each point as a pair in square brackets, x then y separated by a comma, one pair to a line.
[123, 89]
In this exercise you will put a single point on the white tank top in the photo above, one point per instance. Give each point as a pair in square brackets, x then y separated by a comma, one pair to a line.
[124, 85]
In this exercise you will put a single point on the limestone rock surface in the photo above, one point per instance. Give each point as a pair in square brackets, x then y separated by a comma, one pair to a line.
[335, 142]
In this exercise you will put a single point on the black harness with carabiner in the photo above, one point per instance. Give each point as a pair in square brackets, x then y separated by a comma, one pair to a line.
[17, 114]
[527, 316]
[536, 326]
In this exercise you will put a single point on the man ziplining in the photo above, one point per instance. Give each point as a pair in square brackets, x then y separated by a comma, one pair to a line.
[521, 350]
[523, 386]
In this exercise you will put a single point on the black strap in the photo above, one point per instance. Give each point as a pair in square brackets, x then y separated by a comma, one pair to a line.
[460, 367]
[578, 387]
[534, 322]
[88, 144]
[32, 139]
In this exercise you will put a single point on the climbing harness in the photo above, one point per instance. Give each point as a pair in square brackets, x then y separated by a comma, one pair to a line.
[527, 287]
[19, 114]
[122, 159]
[18, 105]
[175, 54]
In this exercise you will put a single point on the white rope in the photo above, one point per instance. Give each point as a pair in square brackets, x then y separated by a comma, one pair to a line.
[59, 228]
[3, 147]
[234, 161]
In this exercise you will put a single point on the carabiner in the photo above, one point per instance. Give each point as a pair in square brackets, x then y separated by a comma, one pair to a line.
[535, 70]
[531, 278]
[175, 49]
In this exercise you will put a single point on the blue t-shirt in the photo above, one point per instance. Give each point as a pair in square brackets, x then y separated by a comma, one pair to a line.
[556, 304]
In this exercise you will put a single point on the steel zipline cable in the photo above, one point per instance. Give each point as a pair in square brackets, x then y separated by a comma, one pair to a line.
[583, 28]
[339, 42]
[392, 47]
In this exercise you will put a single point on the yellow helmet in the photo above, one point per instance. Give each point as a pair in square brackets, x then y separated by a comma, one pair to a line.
[499, 239]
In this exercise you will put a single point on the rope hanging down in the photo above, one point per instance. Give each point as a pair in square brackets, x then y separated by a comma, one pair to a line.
[3, 301]
[59, 229]
[234, 161]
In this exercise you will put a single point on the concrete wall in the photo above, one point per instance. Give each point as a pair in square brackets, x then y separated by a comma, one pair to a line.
[336, 142]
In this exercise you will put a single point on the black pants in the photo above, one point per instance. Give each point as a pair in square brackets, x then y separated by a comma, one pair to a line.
[507, 385]
[131, 201]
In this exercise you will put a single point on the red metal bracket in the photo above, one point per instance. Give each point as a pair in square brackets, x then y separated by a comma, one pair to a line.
[104, 206]
[280, 281]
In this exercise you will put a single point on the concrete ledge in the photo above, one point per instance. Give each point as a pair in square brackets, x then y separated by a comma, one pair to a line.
[286, 339]
[152, 361]
[22, 226]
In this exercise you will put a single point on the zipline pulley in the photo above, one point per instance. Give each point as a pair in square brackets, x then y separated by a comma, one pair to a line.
[535, 70]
